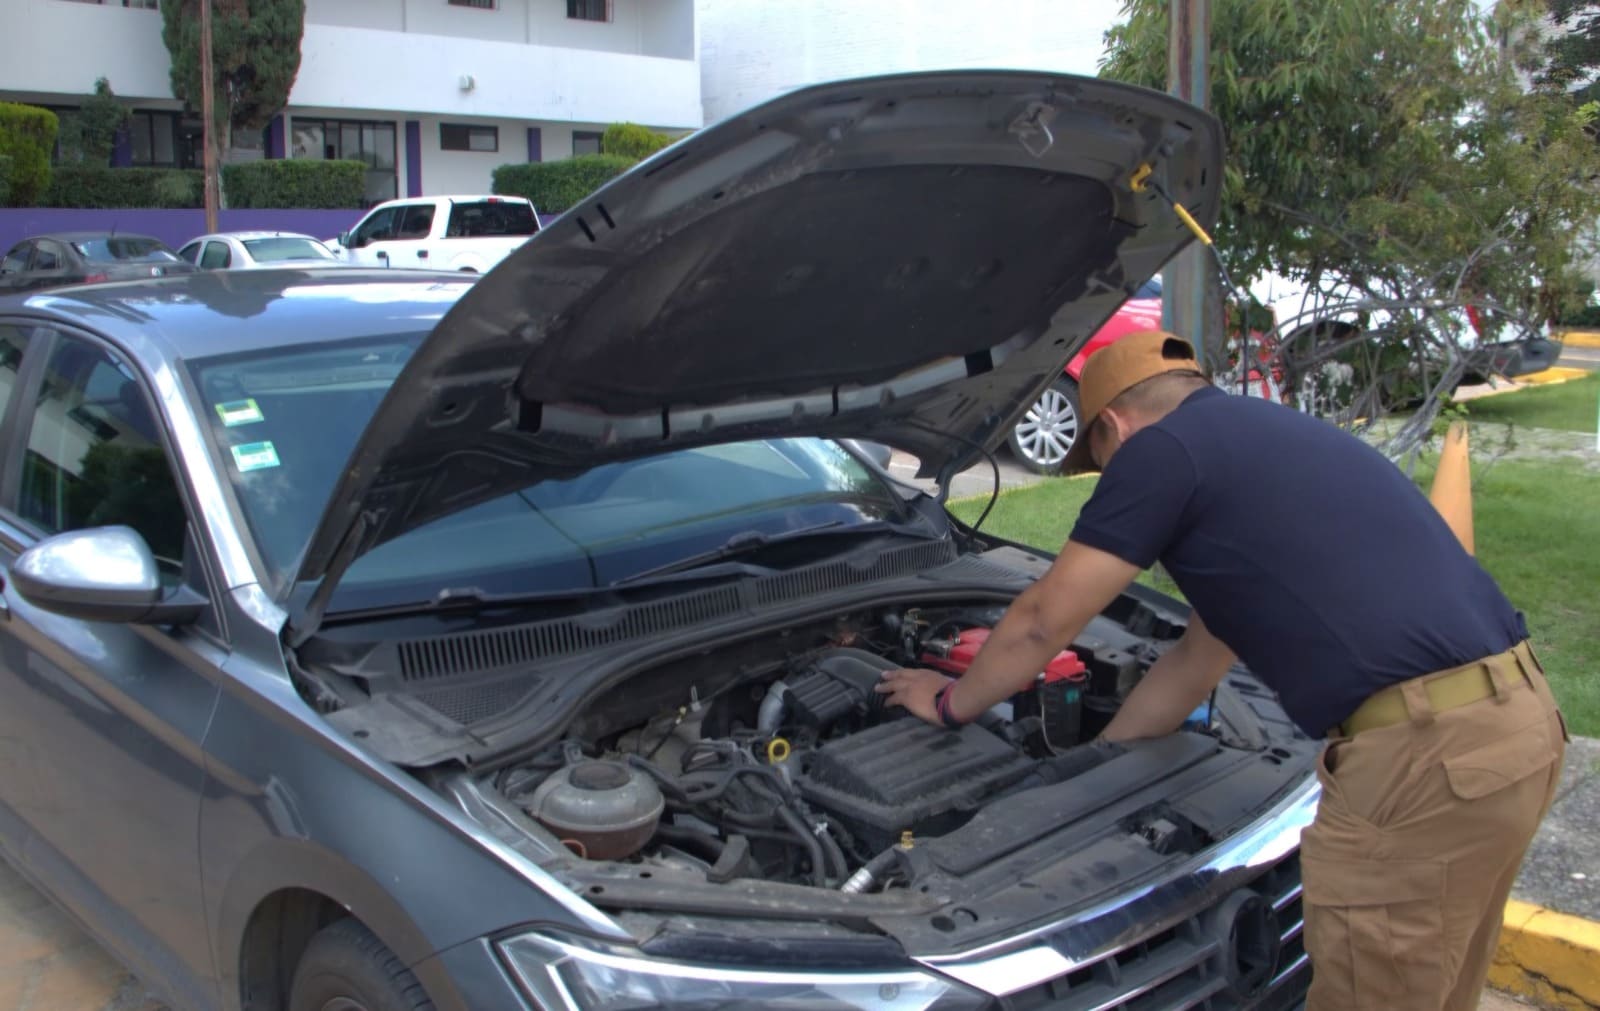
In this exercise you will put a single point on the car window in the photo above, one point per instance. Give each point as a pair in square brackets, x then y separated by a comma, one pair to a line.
[285, 421]
[95, 456]
[491, 217]
[416, 222]
[16, 261]
[124, 249]
[286, 247]
[191, 252]
[1149, 289]
[216, 257]
[49, 256]
[13, 343]
[378, 226]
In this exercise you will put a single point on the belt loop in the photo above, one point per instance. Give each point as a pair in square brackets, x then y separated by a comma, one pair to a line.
[1495, 667]
[1418, 706]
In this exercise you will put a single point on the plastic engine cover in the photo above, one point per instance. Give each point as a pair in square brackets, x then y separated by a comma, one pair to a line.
[906, 774]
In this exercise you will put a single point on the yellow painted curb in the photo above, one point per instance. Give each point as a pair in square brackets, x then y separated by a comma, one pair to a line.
[1580, 338]
[1554, 374]
[1548, 956]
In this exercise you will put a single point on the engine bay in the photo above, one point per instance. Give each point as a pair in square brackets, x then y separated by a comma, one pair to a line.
[782, 764]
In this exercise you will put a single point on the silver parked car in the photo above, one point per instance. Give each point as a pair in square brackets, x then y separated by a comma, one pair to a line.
[394, 640]
[256, 250]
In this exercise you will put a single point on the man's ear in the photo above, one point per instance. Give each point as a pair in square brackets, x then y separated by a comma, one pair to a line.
[1120, 422]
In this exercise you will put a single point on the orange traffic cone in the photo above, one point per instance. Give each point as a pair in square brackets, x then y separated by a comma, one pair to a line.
[1451, 493]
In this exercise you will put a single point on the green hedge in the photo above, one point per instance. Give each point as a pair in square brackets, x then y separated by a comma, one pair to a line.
[554, 186]
[630, 140]
[295, 182]
[27, 136]
[93, 186]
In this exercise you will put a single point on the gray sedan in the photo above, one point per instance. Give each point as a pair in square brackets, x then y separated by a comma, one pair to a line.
[386, 640]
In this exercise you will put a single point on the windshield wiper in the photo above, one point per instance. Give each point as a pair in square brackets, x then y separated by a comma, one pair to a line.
[748, 541]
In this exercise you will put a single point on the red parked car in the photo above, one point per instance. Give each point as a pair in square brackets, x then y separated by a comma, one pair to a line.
[1045, 434]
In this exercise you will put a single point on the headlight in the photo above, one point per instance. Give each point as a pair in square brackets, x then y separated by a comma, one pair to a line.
[562, 975]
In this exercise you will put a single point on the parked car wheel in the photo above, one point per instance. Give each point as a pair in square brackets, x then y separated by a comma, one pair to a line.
[346, 968]
[1046, 433]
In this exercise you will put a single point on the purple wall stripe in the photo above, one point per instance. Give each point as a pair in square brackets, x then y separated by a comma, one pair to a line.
[535, 144]
[413, 158]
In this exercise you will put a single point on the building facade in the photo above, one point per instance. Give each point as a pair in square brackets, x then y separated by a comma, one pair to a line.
[431, 94]
[753, 50]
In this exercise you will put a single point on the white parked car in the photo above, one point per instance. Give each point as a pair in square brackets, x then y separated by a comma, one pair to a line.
[465, 233]
[257, 250]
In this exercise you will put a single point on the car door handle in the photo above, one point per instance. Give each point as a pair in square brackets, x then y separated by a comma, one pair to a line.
[422, 254]
[383, 254]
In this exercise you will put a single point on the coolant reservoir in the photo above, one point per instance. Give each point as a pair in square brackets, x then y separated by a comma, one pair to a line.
[608, 809]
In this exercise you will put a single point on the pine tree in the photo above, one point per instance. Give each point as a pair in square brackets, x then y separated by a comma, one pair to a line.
[255, 47]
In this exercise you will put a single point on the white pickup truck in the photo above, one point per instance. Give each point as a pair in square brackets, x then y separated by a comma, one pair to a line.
[466, 233]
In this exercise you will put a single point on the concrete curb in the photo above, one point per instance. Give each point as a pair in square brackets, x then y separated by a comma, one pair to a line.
[1581, 338]
[1548, 956]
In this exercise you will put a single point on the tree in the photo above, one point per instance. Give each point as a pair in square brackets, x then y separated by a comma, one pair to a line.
[255, 53]
[1388, 157]
[630, 140]
[99, 118]
[1570, 55]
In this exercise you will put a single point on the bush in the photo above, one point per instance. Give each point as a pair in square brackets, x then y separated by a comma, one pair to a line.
[630, 140]
[5, 179]
[1586, 318]
[554, 186]
[27, 136]
[94, 186]
[295, 182]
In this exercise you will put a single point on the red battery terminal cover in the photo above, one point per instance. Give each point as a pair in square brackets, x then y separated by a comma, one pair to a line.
[955, 656]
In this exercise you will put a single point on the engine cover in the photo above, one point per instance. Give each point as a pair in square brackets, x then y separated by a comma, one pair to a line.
[906, 774]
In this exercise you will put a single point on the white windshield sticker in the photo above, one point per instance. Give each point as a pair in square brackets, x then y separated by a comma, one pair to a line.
[254, 456]
[239, 412]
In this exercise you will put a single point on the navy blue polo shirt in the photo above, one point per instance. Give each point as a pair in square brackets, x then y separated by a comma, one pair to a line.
[1306, 551]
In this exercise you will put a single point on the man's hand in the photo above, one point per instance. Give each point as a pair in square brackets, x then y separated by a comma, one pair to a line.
[913, 689]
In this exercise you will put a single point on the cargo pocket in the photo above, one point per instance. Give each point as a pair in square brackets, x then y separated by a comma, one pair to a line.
[1375, 932]
[1491, 767]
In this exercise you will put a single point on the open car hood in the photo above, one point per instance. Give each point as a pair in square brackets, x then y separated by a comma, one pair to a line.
[906, 259]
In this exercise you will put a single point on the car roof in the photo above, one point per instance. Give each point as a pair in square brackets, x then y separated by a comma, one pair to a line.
[88, 236]
[253, 235]
[221, 312]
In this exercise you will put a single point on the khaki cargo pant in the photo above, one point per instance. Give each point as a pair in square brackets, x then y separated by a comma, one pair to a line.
[1420, 832]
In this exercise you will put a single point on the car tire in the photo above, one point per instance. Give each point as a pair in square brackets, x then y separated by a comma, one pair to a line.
[346, 968]
[1042, 439]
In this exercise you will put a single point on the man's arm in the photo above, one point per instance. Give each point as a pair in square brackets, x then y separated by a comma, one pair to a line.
[1039, 624]
[1176, 683]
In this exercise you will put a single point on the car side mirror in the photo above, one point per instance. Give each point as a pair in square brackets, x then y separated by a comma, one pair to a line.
[344, 240]
[101, 574]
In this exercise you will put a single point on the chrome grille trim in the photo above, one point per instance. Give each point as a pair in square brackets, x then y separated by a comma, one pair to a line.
[1100, 932]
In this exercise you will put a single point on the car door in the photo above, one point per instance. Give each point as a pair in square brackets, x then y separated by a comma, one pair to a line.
[14, 268]
[19, 766]
[52, 266]
[111, 716]
[369, 238]
[406, 242]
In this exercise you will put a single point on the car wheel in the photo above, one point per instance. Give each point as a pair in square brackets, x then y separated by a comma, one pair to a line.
[1046, 433]
[346, 968]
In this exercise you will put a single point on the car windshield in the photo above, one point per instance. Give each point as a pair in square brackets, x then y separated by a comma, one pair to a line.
[285, 421]
[124, 249]
[282, 247]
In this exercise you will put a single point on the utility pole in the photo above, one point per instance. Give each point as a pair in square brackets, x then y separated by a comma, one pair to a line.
[213, 191]
[1191, 306]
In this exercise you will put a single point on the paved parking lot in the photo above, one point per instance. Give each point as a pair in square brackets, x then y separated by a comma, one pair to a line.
[48, 964]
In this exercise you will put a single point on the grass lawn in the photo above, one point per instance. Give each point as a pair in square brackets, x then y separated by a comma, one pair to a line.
[1571, 406]
[1537, 527]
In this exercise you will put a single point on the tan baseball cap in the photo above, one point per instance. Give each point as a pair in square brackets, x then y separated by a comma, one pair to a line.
[1115, 368]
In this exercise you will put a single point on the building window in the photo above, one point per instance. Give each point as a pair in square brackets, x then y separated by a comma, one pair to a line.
[461, 137]
[589, 10]
[155, 137]
[355, 140]
[144, 5]
[482, 5]
[585, 142]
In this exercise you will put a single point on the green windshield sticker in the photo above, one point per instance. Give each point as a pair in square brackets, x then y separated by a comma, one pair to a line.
[239, 412]
[254, 456]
